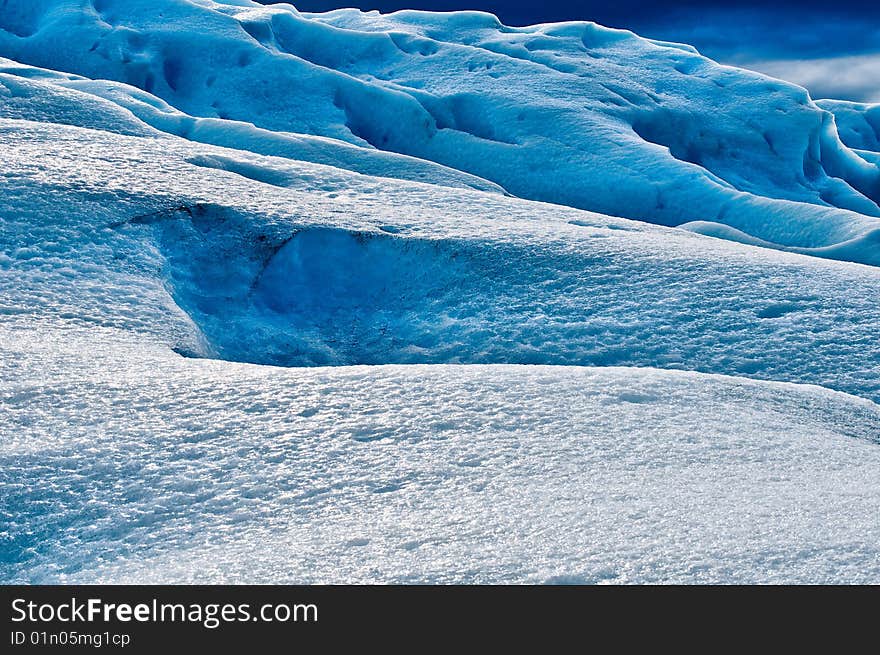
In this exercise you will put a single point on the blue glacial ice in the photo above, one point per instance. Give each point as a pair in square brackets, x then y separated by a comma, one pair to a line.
[563, 113]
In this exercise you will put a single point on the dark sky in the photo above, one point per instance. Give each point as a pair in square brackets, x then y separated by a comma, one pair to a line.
[616, 13]
[830, 46]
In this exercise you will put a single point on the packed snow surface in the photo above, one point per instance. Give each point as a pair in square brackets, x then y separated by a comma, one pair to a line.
[326, 298]
[180, 470]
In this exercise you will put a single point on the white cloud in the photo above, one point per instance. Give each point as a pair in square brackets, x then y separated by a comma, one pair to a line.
[854, 77]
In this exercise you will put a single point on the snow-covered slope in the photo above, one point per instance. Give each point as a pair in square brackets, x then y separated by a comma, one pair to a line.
[24, 92]
[857, 122]
[285, 262]
[180, 470]
[565, 113]
[665, 429]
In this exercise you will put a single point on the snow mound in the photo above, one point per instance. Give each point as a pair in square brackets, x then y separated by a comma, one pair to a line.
[154, 468]
[274, 261]
[548, 112]
[864, 248]
[73, 100]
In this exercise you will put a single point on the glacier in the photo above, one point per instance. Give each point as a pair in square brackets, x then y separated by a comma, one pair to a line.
[420, 297]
